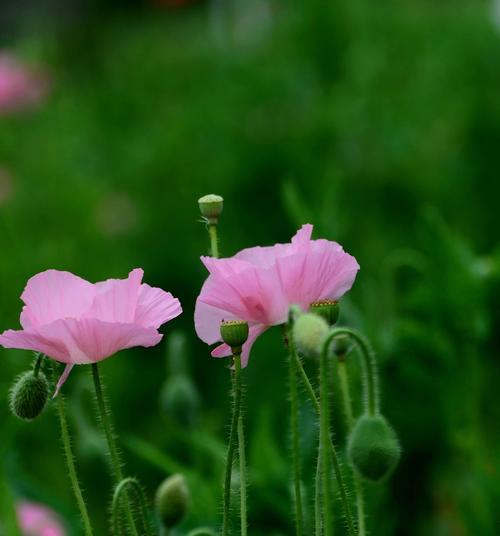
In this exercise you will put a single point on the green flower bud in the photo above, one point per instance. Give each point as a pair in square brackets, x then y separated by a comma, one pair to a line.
[172, 500]
[234, 333]
[341, 347]
[179, 399]
[328, 309]
[373, 448]
[309, 333]
[211, 207]
[28, 395]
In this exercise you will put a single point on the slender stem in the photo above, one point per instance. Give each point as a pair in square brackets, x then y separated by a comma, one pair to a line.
[317, 498]
[231, 445]
[324, 442]
[214, 243]
[367, 354]
[122, 489]
[38, 363]
[294, 425]
[333, 453]
[347, 403]
[242, 456]
[70, 460]
[104, 414]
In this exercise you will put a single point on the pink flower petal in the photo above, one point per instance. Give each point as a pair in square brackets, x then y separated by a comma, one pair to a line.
[25, 340]
[53, 294]
[63, 378]
[155, 307]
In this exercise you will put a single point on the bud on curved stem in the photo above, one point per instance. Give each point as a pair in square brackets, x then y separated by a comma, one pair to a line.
[28, 395]
[124, 491]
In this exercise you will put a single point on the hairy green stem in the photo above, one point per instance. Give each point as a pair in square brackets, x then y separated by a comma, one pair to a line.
[333, 453]
[242, 457]
[318, 524]
[236, 407]
[214, 243]
[294, 425]
[70, 459]
[348, 413]
[104, 414]
[324, 443]
[367, 354]
[121, 492]
[38, 363]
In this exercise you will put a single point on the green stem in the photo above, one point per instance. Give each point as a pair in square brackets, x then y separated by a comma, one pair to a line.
[370, 387]
[104, 414]
[317, 498]
[333, 453]
[231, 445]
[347, 403]
[214, 243]
[122, 489]
[243, 468]
[38, 363]
[324, 442]
[70, 459]
[294, 424]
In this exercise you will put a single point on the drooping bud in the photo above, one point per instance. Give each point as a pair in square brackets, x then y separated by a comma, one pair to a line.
[328, 309]
[234, 333]
[202, 531]
[341, 347]
[172, 500]
[179, 398]
[373, 448]
[211, 206]
[28, 395]
[309, 332]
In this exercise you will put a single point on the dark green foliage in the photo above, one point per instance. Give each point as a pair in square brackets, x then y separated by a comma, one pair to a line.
[373, 448]
[28, 395]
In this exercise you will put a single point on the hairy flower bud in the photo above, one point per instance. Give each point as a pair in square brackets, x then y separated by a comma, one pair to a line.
[172, 500]
[28, 395]
[373, 448]
[328, 309]
[234, 333]
[309, 332]
[211, 207]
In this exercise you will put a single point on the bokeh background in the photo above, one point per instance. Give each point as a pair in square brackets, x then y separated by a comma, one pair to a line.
[378, 122]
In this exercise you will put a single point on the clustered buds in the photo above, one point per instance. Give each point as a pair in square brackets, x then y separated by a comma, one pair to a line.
[373, 448]
[234, 333]
[28, 395]
[172, 500]
[328, 309]
[309, 332]
[211, 206]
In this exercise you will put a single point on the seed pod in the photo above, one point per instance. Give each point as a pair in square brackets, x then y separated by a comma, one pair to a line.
[211, 206]
[234, 333]
[28, 395]
[328, 309]
[373, 448]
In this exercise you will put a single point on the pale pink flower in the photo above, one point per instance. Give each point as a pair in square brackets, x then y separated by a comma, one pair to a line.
[260, 284]
[38, 520]
[20, 86]
[77, 322]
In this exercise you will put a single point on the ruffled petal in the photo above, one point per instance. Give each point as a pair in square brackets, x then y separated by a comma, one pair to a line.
[223, 350]
[155, 307]
[53, 294]
[116, 299]
[25, 340]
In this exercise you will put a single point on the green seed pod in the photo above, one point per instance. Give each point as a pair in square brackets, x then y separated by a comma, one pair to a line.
[179, 399]
[328, 309]
[309, 333]
[373, 448]
[211, 206]
[234, 333]
[28, 395]
[172, 500]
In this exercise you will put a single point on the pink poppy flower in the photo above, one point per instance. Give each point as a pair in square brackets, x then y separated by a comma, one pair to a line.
[77, 322]
[20, 87]
[260, 284]
[37, 520]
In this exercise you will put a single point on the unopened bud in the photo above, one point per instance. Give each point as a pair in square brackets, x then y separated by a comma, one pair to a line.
[309, 332]
[172, 500]
[234, 333]
[211, 207]
[179, 399]
[373, 448]
[328, 309]
[28, 395]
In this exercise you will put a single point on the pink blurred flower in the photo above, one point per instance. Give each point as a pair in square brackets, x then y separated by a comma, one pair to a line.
[260, 284]
[76, 322]
[20, 86]
[37, 520]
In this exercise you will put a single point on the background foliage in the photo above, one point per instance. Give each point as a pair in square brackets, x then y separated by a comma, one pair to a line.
[377, 122]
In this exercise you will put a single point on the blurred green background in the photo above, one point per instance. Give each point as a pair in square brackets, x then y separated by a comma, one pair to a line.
[378, 122]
